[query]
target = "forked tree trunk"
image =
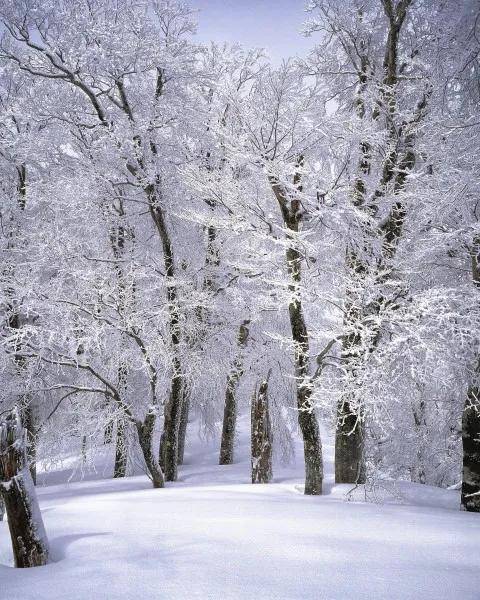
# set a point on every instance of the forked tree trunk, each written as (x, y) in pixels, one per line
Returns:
(261, 431)
(29, 541)
(350, 432)
(230, 410)
(471, 451)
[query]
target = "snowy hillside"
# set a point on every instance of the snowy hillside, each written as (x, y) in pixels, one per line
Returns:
(213, 535)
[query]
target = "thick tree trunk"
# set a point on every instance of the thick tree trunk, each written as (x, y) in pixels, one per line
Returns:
(471, 451)
(145, 435)
(29, 541)
(230, 410)
(349, 446)
(350, 430)
(120, 465)
(261, 432)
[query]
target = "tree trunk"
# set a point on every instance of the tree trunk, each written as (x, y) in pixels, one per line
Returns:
(120, 466)
(471, 451)
(230, 410)
(312, 446)
(28, 418)
(182, 432)
(471, 420)
(350, 429)
(29, 541)
(145, 435)
(349, 446)
(171, 427)
(108, 432)
(261, 432)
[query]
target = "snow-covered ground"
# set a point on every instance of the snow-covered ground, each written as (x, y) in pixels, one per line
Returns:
(213, 535)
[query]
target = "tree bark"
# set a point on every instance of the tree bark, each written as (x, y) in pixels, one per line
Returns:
(261, 432)
(29, 541)
(471, 451)
(230, 410)
(471, 420)
(182, 432)
(145, 435)
(312, 446)
(120, 465)
(349, 446)
(350, 431)
(171, 427)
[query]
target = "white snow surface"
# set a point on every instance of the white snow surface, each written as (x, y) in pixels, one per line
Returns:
(214, 535)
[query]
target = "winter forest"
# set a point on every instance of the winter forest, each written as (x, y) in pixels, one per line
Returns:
(219, 269)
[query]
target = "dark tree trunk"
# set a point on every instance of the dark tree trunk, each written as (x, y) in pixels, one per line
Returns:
(28, 419)
(471, 451)
(307, 420)
(29, 541)
(168, 454)
(349, 434)
(2, 507)
(312, 446)
(261, 432)
(145, 435)
(84, 449)
(182, 432)
(229, 421)
(471, 420)
(349, 446)
(120, 466)
(171, 427)
(108, 432)
(230, 410)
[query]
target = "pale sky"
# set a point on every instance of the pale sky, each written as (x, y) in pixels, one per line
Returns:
(271, 24)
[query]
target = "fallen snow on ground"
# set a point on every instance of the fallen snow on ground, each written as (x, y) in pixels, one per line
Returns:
(213, 535)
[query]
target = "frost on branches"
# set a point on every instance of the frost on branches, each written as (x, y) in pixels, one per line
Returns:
(180, 219)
